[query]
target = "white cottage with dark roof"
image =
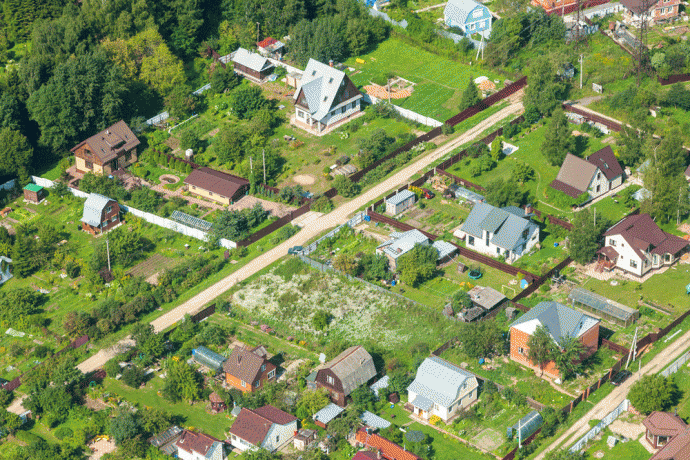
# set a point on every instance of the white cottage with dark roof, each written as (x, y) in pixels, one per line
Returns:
(441, 388)
(324, 98)
(507, 231)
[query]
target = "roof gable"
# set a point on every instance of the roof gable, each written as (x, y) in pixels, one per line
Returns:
(217, 182)
(607, 163)
(559, 320)
(197, 442)
(353, 367)
(243, 364)
(506, 226)
(251, 427)
(275, 415)
(321, 84)
(93, 209)
(641, 232)
(110, 142)
(441, 381)
(461, 10)
(576, 172)
(251, 60)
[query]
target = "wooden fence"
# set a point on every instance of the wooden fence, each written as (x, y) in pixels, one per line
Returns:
(267, 230)
(203, 314)
(460, 180)
(612, 125)
(614, 346)
(671, 79)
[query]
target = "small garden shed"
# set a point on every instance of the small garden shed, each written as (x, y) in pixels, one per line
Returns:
(399, 202)
(208, 358)
(34, 193)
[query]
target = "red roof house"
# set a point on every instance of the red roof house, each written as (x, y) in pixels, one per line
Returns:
(266, 427)
(637, 245)
(388, 449)
(198, 446)
(668, 433)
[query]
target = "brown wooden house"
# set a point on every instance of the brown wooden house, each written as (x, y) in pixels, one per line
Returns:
(252, 65)
(345, 373)
(113, 148)
(217, 186)
(100, 214)
(248, 369)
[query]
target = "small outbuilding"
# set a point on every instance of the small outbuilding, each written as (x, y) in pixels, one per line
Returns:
(208, 358)
(400, 202)
(100, 214)
(34, 193)
(304, 438)
(217, 403)
(486, 298)
(251, 65)
(323, 417)
(603, 307)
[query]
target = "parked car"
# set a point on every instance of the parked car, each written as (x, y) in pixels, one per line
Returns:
(428, 194)
(620, 377)
(295, 250)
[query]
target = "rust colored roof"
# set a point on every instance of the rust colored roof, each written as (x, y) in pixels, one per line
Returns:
(353, 367)
(664, 424)
(389, 450)
(111, 142)
(243, 364)
(641, 232)
(576, 172)
(565, 188)
(196, 442)
(606, 161)
(275, 415)
(637, 6)
(609, 252)
(678, 448)
(266, 42)
(251, 427)
(217, 182)
(365, 455)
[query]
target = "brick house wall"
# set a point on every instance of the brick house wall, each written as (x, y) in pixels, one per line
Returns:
(268, 375)
(519, 348)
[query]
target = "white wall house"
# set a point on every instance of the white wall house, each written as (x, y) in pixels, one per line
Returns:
(441, 388)
(468, 15)
(266, 427)
(507, 231)
(637, 245)
(596, 175)
(325, 97)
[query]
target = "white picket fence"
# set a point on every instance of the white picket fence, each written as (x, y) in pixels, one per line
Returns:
(409, 114)
(606, 421)
(148, 217)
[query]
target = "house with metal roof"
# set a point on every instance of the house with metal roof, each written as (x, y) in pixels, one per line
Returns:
(113, 148)
(347, 371)
(325, 97)
(468, 15)
(100, 214)
(323, 417)
(34, 193)
(400, 243)
(597, 174)
(250, 65)
(266, 427)
(248, 369)
(270, 47)
(400, 202)
(560, 321)
(441, 388)
(637, 246)
(374, 421)
(215, 185)
(507, 231)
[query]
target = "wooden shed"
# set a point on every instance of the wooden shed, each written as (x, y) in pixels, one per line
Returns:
(34, 193)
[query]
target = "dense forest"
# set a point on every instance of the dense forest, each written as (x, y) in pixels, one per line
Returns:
(68, 70)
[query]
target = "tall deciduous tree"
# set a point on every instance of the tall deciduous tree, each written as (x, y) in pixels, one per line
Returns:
(246, 100)
(481, 339)
(558, 140)
(15, 154)
(583, 240)
(540, 347)
(653, 392)
(418, 265)
(544, 91)
(567, 355)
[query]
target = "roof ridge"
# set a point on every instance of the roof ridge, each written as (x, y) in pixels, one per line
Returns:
(346, 356)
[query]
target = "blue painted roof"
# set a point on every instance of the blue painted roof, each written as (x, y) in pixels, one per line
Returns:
(460, 10)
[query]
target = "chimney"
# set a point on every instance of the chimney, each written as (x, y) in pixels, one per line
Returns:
(330, 63)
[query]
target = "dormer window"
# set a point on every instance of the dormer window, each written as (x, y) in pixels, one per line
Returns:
(330, 80)
(313, 72)
(325, 98)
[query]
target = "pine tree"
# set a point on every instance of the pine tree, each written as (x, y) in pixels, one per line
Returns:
(188, 168)
(21, 258)
(470, 96)
(558, 140)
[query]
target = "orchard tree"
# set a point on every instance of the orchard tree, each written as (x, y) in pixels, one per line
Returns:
(481, 339)
(460, 300)
(223, 79)
(418, 265)
(567, 355)
(558, 140)
(312, 401)
(544, 91)
(345, 186)
(584, 238)
(653, 393)
(540, 347)
(345, 263)
(123, 426)
(246, 100)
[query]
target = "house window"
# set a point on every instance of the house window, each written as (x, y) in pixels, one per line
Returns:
(300, 114)
(313, 72)
(598, 188)
(633, 263)
(482, 24)
(89, 164)
(330, 80)
(487, 238)
(599, 175)
(244, 384)
(104, 223)
(258, 382)
(524, 233)
(521, 350)
(507, 253)
(271, 373)
(330, 380)
(114, 219)
(667, 258)
(498, 250)
(263, 367)
(470, 240)
(210, 193)
(277, 438)
(612, 242)
(108, 209)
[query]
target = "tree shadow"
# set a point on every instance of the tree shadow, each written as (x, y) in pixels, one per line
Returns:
(581, 144)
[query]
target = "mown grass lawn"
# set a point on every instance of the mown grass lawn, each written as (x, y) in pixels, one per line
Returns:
(631, 450)
(439, 81)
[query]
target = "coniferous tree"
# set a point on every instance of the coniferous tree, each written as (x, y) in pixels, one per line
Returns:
(558, 140)
(470, 96)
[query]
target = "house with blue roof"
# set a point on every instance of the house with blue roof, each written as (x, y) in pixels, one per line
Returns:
(325, 98)
(468, 15)
(441, 388)
(507, 231)
(561, 322)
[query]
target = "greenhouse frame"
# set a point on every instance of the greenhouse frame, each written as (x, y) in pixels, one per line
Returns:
(208, 358)
(603, 307)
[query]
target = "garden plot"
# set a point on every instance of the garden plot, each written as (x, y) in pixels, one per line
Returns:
(289, 296)
(151, 267)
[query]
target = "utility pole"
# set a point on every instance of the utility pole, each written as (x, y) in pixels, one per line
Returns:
(251, 166)
(107, 248)
(642, 52)
(258, 37)
(581, 60)
(263, 155)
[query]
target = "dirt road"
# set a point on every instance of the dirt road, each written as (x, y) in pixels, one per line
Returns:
(334, 218)
(617, 396)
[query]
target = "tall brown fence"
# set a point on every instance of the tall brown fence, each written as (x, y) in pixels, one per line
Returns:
(460, 180)
(267, 230)
(612, 125)
(205, 313)
(488, 102)
(671, 79)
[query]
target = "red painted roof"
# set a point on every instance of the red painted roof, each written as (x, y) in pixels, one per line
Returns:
(268, 41)
(389, 450)
(606, 161)
(254, 425)
(195, 442)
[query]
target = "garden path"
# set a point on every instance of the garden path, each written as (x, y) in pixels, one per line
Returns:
(619, 393)
(336, 217)
(430, 7)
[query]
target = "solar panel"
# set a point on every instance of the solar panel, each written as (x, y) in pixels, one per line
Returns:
(191, 221)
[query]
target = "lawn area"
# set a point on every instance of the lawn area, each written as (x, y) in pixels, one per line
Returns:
(346, 241)
(631, 450)
(437, 215)
(682, 380)
(438, 81)
(665, 290)
(194, 415)
(529, 152)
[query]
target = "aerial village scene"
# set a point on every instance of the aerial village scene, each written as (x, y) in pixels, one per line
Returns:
(344, 230)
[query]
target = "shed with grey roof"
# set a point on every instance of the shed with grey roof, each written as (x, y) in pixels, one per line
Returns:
(400, 244)
(373, 420)
(100, 214)
(251, 65)
(441, 388)
(323, 417)
(400, 202)
(347, 371)
(486, 297)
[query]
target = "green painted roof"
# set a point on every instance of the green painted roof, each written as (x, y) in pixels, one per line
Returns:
(33, 188)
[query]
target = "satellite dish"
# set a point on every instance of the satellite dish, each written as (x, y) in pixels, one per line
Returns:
(322, 358)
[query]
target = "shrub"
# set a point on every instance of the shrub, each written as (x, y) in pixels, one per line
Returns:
(63, 432)
(447, 129)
